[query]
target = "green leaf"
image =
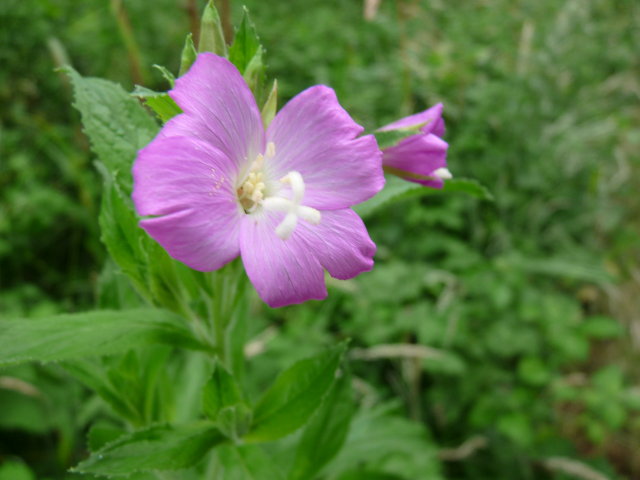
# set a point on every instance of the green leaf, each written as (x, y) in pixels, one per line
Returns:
(122, 236)
(295, 395)
(12, 470)
(220, 391)
(188, 56)
(168, 76)
(247, 462)
(160, 102)
(64, 337)
(211, 34)
(116, 124)
(326, 432)
(222, 402)
(246, 44)
(397, 189)
(160, 447)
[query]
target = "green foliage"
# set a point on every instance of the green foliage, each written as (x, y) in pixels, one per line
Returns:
(325, 433)
(159, 447)
(64, 337)
(246, 54)
(511, 318)
(295, 395)
(160, 102)
(116, 124)
(248, 462)
(396, 190)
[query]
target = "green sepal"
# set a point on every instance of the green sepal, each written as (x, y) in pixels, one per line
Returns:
(160, 102)
(188, 56)
(246, 54)
(389, 138)
(211, 33)
(270, 105)
(246, 43)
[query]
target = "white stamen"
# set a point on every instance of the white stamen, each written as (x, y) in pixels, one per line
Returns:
(442, 173)
(292, 207)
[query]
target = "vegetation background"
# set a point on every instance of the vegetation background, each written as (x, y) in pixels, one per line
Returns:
(521, 314)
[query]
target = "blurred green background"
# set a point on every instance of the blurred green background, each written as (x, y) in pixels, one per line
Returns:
(527, 308)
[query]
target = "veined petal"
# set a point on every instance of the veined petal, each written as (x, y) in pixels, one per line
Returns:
(340, 242)
(283, 272)
(419, 155)
(180, 173)
(189, 185)
(315, 136)
(219, 108)
(432, 118)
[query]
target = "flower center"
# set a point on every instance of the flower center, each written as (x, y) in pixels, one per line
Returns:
(253, 194)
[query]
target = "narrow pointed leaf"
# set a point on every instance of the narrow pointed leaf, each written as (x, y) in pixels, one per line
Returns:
(325, 433)
(295, 395)
(160, 447)
(77, 335)
(189, 54)
(160, 102)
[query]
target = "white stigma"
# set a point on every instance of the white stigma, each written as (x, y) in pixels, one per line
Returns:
(293, 208)
(442, 174)
(254, 193)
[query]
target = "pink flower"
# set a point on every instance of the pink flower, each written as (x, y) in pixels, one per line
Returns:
(420, 158)
(217, 185)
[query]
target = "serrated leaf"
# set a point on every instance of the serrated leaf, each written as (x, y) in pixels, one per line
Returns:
(248, 462)
(160, 102)
(295, 395)
(397, 189)
(246, 44)
(121, 234)
(161, 447)
(326, 432)
(77, 335)
(116, 124)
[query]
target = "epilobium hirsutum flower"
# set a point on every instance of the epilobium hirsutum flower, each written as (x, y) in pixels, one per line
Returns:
(420, 158)
(217, 185)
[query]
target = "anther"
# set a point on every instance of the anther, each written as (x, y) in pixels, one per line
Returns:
(442, 173)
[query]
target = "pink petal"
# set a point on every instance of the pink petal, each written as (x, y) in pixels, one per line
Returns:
(190, 185)
(283, 272)
(340, 242)
(420, 155)
(219, 108)
(315, 136)
(432, 117)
